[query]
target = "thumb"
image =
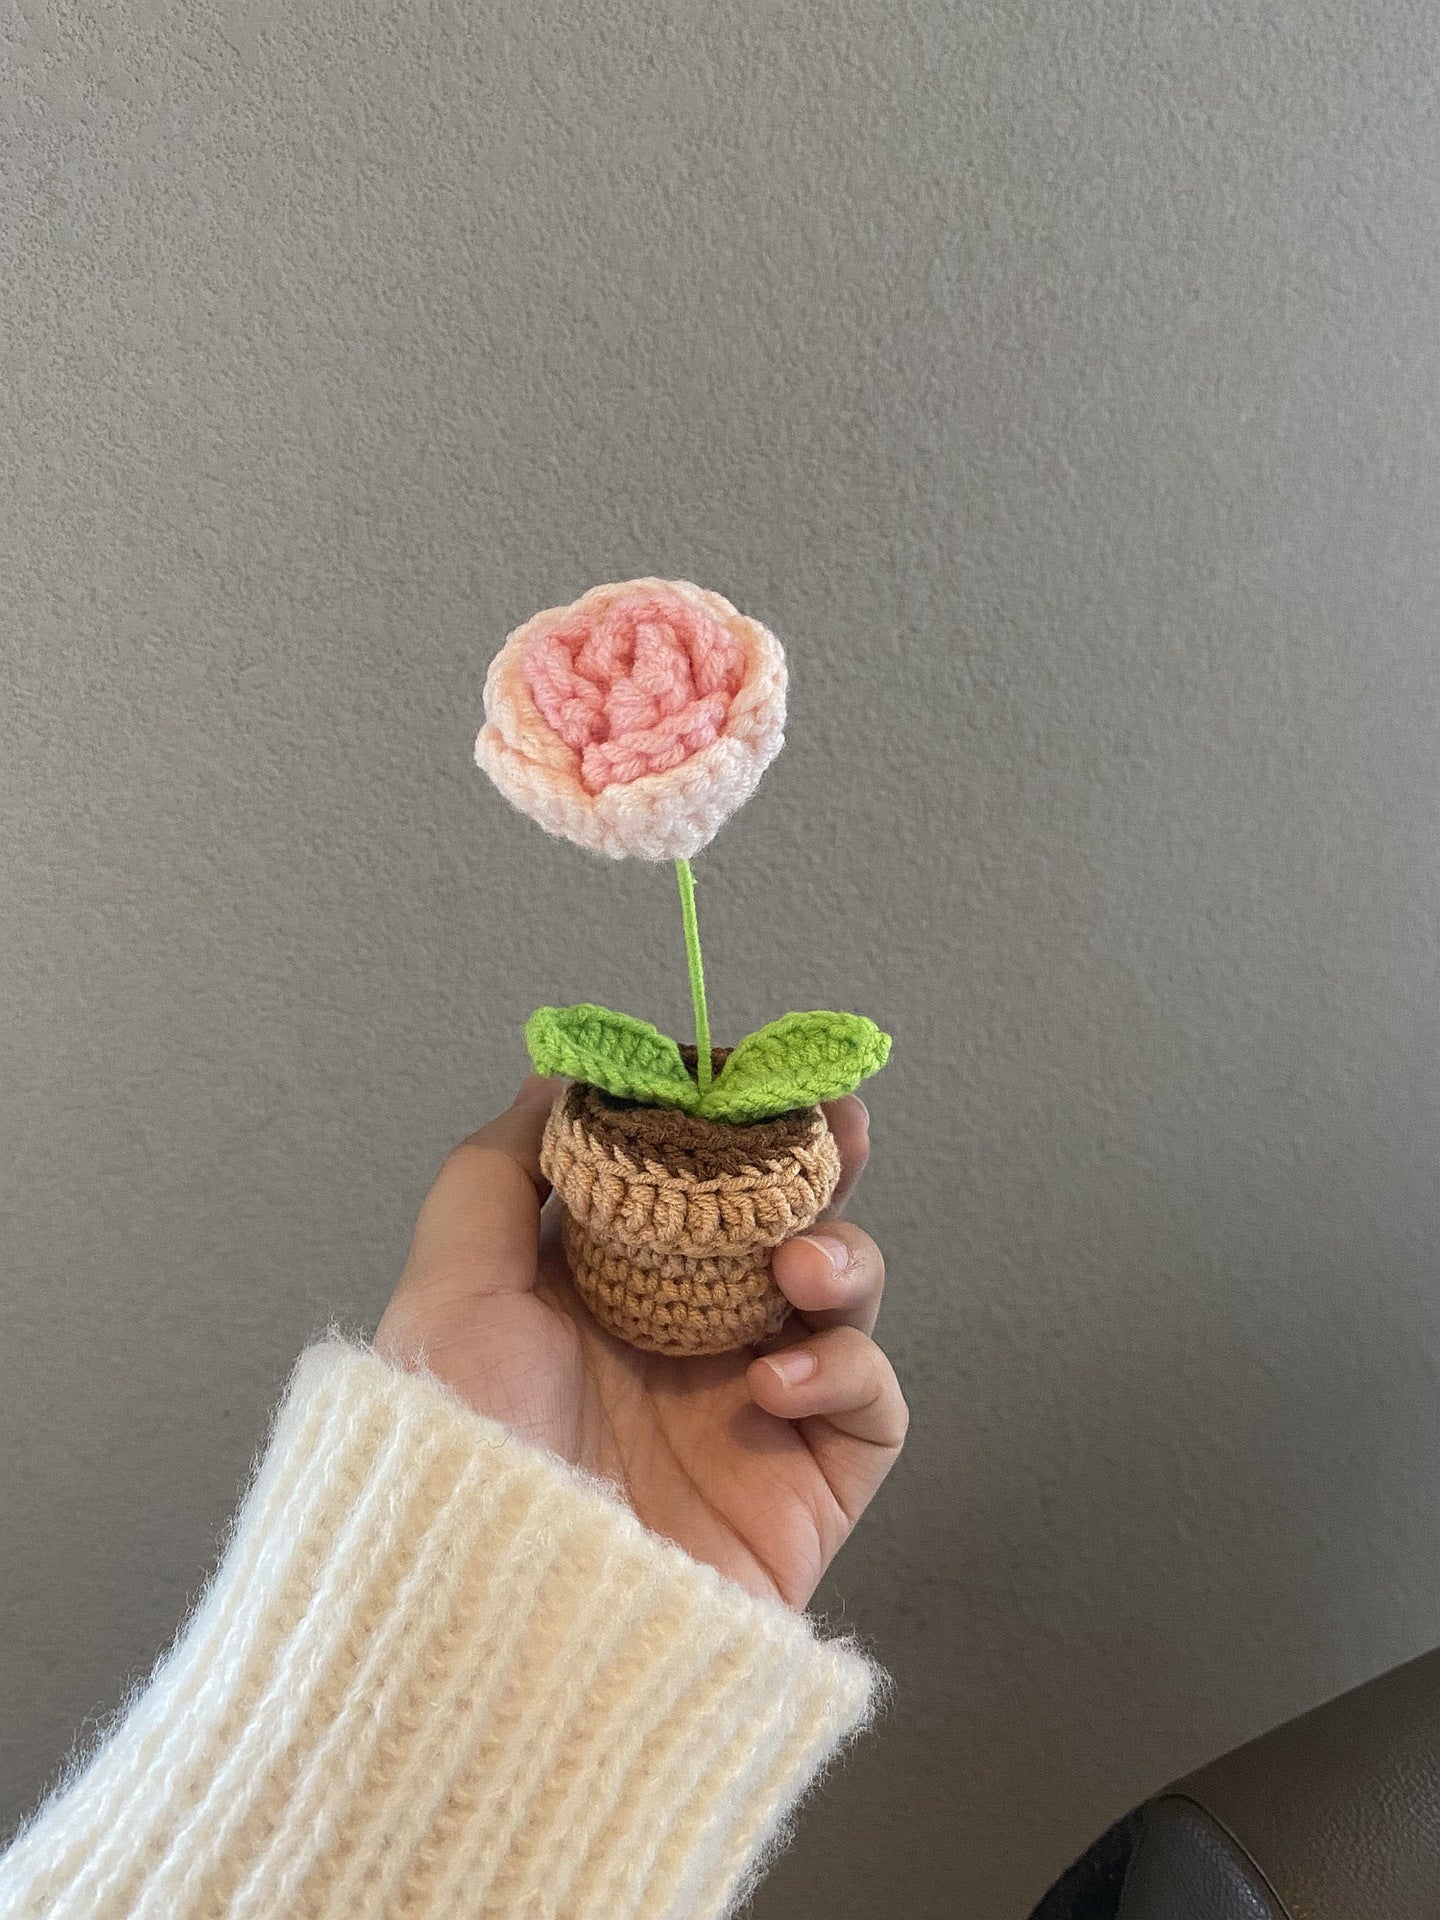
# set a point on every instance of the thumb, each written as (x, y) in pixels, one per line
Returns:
(479, 1226)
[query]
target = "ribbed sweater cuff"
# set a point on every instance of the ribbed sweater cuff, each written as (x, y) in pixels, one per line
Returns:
(439, 1672)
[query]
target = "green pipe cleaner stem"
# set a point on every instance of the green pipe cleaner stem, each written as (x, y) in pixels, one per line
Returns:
(697, 972)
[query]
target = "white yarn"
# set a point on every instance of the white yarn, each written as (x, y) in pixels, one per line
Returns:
(439, 1672)
(659, 816)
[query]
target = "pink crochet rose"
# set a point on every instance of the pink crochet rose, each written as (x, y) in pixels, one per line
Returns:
(636, 720)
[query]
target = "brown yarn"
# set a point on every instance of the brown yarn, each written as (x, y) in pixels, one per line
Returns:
(670, 1219)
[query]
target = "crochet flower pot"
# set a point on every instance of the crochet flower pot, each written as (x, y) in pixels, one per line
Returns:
(634, 722)
(670, 1218)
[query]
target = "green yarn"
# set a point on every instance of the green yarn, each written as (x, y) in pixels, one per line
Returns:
(697, 972)
(612, 1051)
(794, 1062)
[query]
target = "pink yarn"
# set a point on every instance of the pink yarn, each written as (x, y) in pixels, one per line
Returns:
(637, 690)
(636, 720)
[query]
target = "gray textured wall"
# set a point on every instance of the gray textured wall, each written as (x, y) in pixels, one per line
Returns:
(1058, 379)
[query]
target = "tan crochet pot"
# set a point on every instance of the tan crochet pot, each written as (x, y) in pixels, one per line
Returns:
(670, 1220)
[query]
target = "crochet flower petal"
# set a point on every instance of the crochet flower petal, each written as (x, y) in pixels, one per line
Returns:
(636, 720)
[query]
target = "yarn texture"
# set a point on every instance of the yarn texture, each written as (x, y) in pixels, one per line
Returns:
(439, 1673)
(637, 719)
(670, 1219)
(797, 1061)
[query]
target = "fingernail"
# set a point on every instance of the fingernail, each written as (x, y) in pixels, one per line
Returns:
(792, 1367)
(834, 1250)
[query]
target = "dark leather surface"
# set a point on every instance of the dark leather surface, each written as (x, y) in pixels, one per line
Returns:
(1334, 1816)
(1089, 1889)
(1338, 1813)
(1186, 1867)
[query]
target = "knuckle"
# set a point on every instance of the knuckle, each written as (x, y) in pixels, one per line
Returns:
(888, 1400)
(463, 1151)
(853, 1350)
(891, 1413)
(862, 1362)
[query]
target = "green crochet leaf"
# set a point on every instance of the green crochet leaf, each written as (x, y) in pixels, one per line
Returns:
(794, 1062)
(612, 1051)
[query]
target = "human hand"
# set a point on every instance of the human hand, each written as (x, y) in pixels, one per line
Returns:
(761, 1477)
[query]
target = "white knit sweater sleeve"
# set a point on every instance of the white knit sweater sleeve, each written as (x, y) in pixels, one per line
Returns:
(439, 1674)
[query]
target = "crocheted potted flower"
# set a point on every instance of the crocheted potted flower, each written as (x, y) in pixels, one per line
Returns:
(634, 722)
